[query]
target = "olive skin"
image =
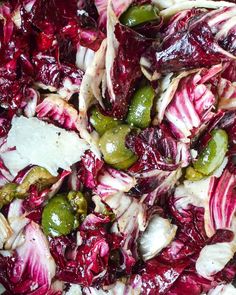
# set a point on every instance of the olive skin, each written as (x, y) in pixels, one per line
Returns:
(78, 202)
(140, 108)
(112, 145)
(38, 176)
(7, 193)
(102, 123)
(136, 15)
(213, 154)
(192, 174)
(126, 164)
(58, 217)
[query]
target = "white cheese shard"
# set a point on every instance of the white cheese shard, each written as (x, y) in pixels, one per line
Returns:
(39, 143)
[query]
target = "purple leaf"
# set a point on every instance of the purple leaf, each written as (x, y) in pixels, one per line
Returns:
(58, 110)
(112, 181)
(193, 46)
(192, 104)
(124, 69)
(31, 265)
(89, 169)
(222, 203)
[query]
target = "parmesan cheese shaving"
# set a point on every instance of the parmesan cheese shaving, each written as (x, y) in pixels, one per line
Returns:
(39, 143)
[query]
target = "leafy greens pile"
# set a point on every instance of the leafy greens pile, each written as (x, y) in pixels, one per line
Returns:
(117, 147)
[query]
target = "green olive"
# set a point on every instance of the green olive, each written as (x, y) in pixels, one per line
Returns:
(140, 108)
(136, 15)
(126, 164)
(113, 147)
(78, 202)
(38, 176)
(109, 213)
(58, 217)
(7, 193)
(213, 154)
(193, 175)
(102, 123)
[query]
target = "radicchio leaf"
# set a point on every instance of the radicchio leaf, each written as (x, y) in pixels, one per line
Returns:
(90, 86)
(196, 100)
(54, 76)
(13, 88)
(190, 237)
(74, 183)
(178, 259)
(89, 169)
(90, 89)
(94, 248)
(196, 284)
(130, 220)
(180, 20)
(33, 267)
(192, 47)
(157, 227)
(5, 175)
(119, 6)
(32, 101)
(159, 277)
(229, 71)
(222, 202)
(53, 107)
(122, 65)
(5, 230)
(224, 28)
(161, 4)
(119, 288)
(227, 94)
(197, 194)
(17, 222)
(213, 258)
(157, 149)
(222, 289)
(161, 158)
(155, 184)
(5, 123)
(174, 6)
(112, 181)
(84, 57)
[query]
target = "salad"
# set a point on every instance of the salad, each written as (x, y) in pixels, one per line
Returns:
(117, 147)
